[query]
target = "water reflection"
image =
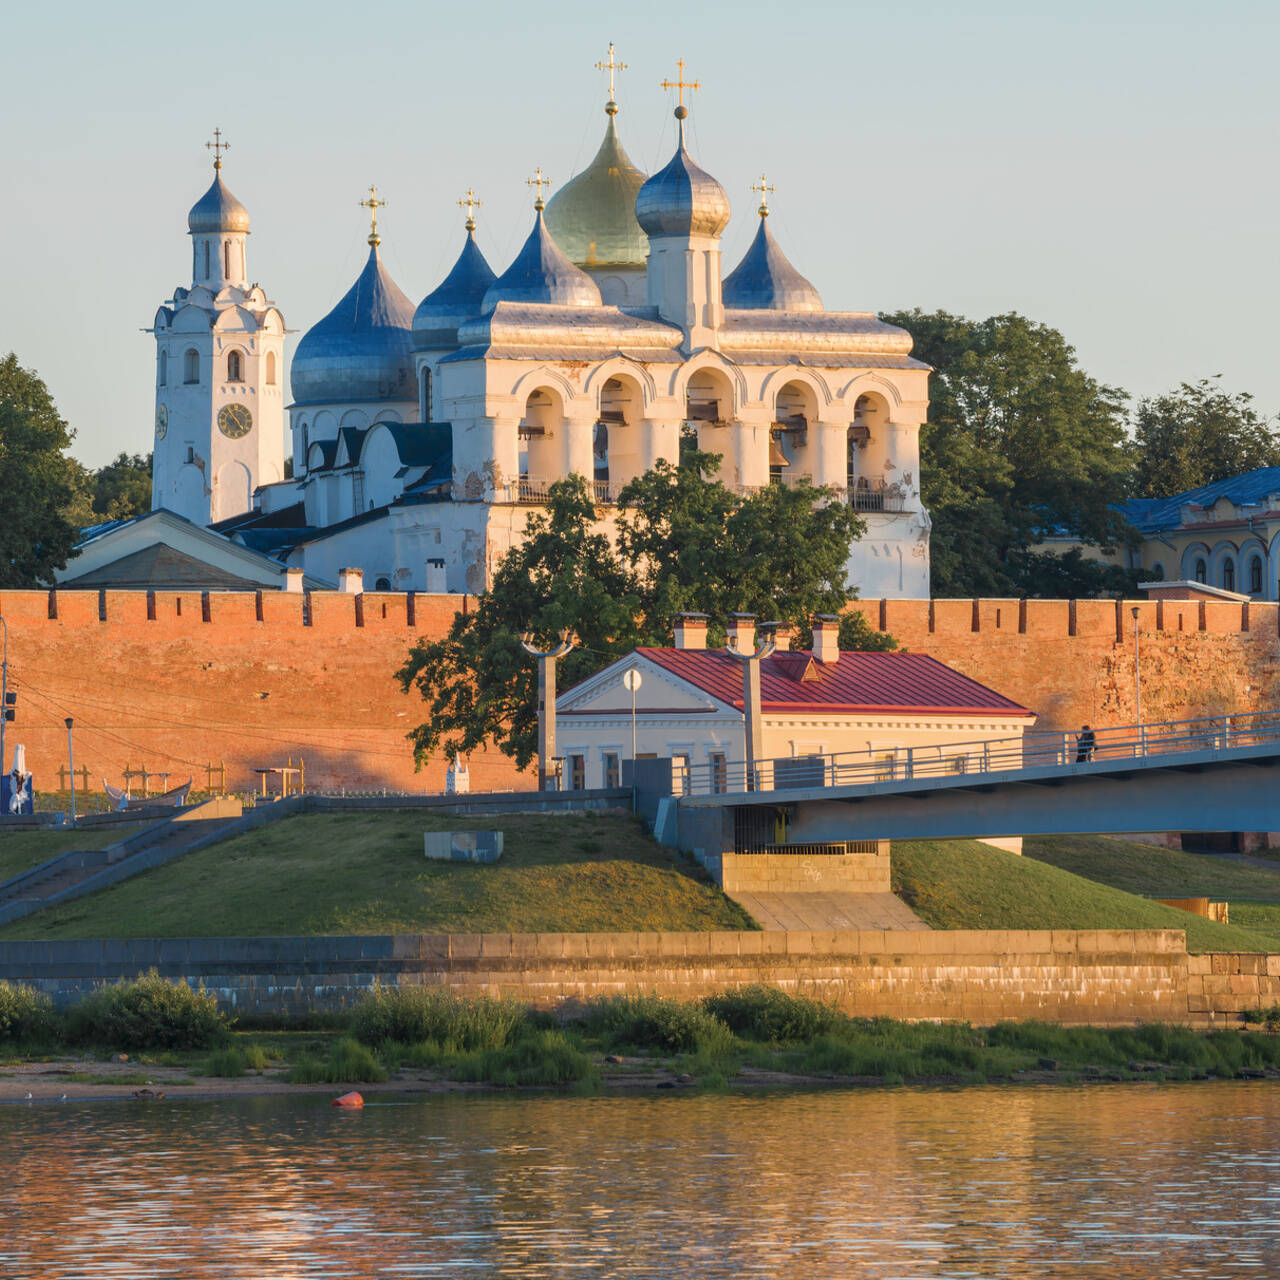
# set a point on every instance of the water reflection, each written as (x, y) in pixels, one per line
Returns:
(1127, 1182)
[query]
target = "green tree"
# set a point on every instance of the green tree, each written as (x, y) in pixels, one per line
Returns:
(38, 482)
(1196, 435)
(1020, 441)
(122, 489)
(684, 543)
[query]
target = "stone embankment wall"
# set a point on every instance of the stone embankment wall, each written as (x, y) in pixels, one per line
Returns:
(176, 681)
(1066, 976)
(803, 873)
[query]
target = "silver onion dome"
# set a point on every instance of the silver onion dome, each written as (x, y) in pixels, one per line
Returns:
(681, 199)
(217, 210)
(541, 273)
(766, 280)
(458, 298)
(363, 349)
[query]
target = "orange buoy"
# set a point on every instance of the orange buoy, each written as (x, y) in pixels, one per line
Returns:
(352, 1099)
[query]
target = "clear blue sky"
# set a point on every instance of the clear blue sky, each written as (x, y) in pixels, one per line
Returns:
(1107, 168)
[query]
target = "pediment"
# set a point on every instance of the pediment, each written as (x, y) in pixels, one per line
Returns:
(660, 691)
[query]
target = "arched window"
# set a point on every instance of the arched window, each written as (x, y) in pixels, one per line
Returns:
(1229, 575)
(1202, 571)
(226, 259)
(424, 395)
(271, 368)
(163, 377)
(191, 366)
(382, 584)
(235, 367)
(1158, 570)
(206, 259)
(1255, 577)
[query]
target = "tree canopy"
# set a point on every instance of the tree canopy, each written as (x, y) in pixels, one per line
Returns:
(1195, 435)
(38, 481)
(122, 488)
(1020, 442)
(685, 543)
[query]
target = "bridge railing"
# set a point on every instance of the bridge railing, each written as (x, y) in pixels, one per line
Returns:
(982, 756)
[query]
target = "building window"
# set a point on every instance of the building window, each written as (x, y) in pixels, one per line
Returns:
(191, 453)
(206, 259)
(226, 259)
(680, 773)
(424, 408)
(235, 367)
(1158, 570)
(271, 368)
(719, 773)
(1255, 577)
(164, 368)
(1202, 571)
(1228, 575)
(382, 584)
(577, 773)
(612, 770)
(191, 367)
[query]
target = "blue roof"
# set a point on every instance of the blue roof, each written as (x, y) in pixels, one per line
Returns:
(541, 273)
(458, 298)
(1253, 488)
(766, 280)
(362, 350)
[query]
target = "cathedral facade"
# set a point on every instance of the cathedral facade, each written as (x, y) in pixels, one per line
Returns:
(423, 436)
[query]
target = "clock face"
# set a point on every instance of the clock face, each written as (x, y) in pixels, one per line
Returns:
(162, 422)
(234, 421)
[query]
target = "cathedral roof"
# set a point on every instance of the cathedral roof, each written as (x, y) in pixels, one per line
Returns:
(766, 280)
(681, 199)
(541, 273)
(457, 298)
(362, 350)
(593, 216)
(217, 210)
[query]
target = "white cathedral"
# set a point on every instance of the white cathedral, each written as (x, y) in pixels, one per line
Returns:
(422, 437)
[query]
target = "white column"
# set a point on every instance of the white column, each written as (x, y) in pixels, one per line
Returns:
(829, 451)
(578, 451)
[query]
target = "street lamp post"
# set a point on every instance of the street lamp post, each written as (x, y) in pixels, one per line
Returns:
(631, 681)
(1137, 669)
(4, 689)
(71, 761)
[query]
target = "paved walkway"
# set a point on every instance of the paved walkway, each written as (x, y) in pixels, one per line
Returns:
(774, 911)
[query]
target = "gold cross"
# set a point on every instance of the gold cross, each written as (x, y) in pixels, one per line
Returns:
(538, 180)
(763, 188)
(611, 66)
(217, 146)
(373, 204)
(680, 83)
(470, 204)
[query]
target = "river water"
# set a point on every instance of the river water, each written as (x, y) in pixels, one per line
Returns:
(1108, 1181)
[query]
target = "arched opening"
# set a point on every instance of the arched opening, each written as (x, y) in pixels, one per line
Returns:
(382, 584)
(539, 451)
(709, 408)
(709, 399)
(191, 366)
(795, 412)
(162, 378)
(235, 367)
(1255, 576)
(424, 395)
(271, 368)
(206, 259)
(1228, 575)
(617, 443)
(1202, 570)
(1157, 571)
(226, 259)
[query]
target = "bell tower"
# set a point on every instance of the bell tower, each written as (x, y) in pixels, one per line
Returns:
(219, 426)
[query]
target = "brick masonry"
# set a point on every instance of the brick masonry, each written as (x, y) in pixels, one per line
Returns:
(1069, 976)
(806, 873)
(178, 680)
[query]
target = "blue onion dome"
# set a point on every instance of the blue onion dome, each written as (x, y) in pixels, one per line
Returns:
(766, 280)
(593, 216)
(363, 349)
(682, 200)
(541, 273)
(457, 299)
(217, 210)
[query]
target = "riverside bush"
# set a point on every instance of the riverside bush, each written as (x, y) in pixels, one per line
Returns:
(349, 1062)
(771, 1016)
(147, 1013)
(26, 1015)
(650, 1022)
(410, 1015)
(536, 1058)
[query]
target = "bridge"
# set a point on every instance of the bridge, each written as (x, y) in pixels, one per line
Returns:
(1211, 774)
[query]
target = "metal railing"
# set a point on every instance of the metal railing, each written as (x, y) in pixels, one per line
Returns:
(536, 491)
(982, 757)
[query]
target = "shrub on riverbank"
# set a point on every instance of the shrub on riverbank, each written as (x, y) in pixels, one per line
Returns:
(410, 1015)
(772, 1016)
(650, 1022)
(26, 1015)
(147, 1013)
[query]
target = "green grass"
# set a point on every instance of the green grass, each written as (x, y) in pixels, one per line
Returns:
(1258, 917)
(333, 874)
(962, 884)
(1152, 871)
(22, 850)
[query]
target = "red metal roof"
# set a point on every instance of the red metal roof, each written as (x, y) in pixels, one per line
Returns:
(857, 682)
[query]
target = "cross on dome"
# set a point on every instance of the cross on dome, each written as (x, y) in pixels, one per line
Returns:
(373, 204)
(217, 146)
(763, 188)
(538, 180)
(611, 66)
(470, 204)
(680, 84)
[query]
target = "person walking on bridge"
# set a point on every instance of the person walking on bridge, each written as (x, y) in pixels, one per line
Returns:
(1085, 745)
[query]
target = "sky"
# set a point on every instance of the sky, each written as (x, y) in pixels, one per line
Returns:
(1110, 169)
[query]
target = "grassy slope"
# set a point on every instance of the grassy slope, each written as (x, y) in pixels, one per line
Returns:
(365, 874)
(22, 850)
(961, 884)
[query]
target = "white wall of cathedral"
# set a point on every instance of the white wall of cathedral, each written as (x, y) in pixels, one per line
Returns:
(619, 286)
(311, 424)
(218, 259)
(683, 282)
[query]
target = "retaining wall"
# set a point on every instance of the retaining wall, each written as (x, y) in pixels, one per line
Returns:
(805, 873)
(1069, 976)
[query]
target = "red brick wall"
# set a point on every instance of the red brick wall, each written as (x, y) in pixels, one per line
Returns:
(178, 680)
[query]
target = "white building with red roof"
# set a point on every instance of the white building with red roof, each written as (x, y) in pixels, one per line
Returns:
(689, 706)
